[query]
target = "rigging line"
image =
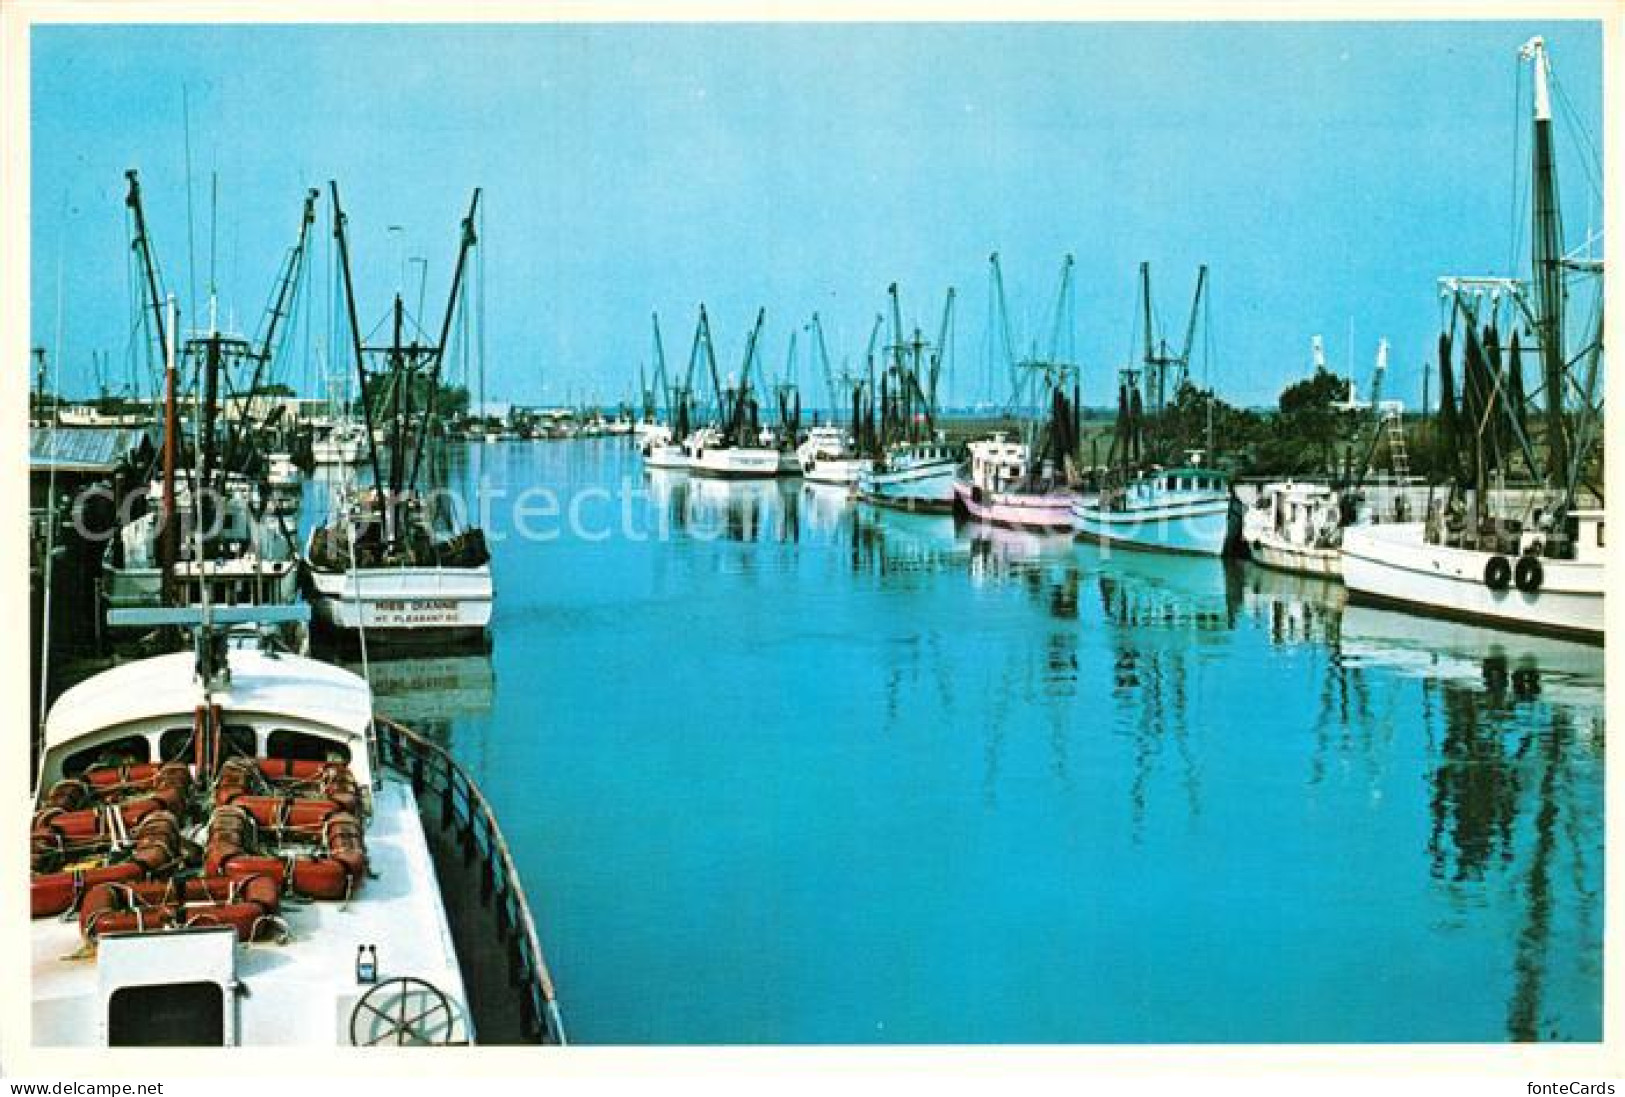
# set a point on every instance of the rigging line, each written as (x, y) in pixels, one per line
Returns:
(1589, 159)
(1514, 237)
(191, 250)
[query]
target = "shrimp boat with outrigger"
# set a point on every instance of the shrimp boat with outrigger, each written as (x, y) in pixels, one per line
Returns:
(661, 445)
(230, 849)
(911, 464)
(738, 447)
(1031, 483)
(245, 552)
(1488, 552)
(392, 561)
(1189, 508)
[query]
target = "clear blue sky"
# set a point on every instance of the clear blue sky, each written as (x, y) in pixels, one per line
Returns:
(1324, 172)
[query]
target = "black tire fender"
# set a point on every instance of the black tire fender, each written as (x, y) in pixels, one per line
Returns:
(1498, 573)
(1529, 574)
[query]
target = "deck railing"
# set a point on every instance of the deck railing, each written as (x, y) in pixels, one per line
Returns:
(465, 813)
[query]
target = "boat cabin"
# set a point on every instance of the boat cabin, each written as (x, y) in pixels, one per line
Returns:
(998, 464)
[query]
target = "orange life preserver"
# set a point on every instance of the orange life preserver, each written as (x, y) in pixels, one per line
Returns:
(88, 824)
(242, 904)
(56, 892)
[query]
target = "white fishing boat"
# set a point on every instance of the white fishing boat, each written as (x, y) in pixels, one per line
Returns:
(1001, 489)
(344, 444)
(827, 457)
(392, 564)
(1519, 583)
(1296, 527)
(249, 560)
(281, 473)
(1189, 510)
(912, 466)
(1530, 559)
(229, 849)
(660, 450)
(425, 581)
(738, 446)
(914, 476)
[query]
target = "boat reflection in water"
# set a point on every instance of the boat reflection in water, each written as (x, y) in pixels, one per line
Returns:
(1515, 792)
(892, 545)
(1293, 609)
(825, 508)
(430, 692)
(732, 510)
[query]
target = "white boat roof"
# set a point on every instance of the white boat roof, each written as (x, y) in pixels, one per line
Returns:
(165, 685)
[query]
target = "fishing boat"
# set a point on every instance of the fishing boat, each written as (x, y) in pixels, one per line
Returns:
(1297, 527)
(1031, 482)
(912, 465)
(343, 444)
(230, 848)
(1491, 550)
(281, 473)
(393, 565)
(738, 446)
(1188, 508)
(243, 553)
(830, 454)
(828, 457)
(1001, 487)
(666, 445)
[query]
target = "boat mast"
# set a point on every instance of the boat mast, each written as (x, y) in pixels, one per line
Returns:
(287, 287)
(143, 248)
(469, 239)
(1547, 258)
(355, 330)
(169, 532)
(736, 421)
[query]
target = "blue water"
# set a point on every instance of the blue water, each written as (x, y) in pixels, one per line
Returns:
(801, 771)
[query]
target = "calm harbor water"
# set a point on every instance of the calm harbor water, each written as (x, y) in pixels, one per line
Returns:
(805, 772)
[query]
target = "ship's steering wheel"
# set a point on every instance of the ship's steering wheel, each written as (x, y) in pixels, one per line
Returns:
(405, 1011)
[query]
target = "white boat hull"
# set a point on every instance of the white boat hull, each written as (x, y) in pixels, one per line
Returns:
(744, 463)
(336, 453)
(666, 456)
(1393, 564)
(1274, 551)
(843, 471)
(928, 486)
(1198, 527)
(404, 603)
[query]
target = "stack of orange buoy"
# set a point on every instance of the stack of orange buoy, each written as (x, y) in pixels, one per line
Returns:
(110, 846)
(114, 826)
(293, 820)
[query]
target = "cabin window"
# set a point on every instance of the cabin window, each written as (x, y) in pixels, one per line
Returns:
(130, 750)
(303, 747)
(175, 745)
(1599, 535)
(238, 741)
(167, 1015)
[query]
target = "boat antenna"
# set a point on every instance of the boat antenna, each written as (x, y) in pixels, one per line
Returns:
(191, 249)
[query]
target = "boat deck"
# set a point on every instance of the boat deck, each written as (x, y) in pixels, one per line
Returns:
(302, 992)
